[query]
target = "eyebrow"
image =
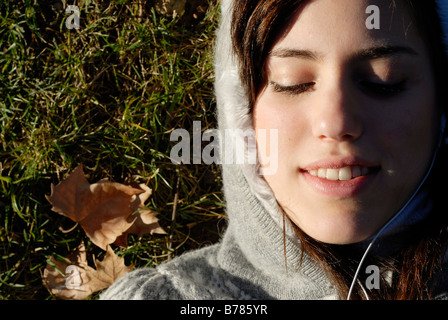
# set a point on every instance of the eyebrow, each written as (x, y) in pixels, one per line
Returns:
(296, 53)
(365, 54)
(385, 51)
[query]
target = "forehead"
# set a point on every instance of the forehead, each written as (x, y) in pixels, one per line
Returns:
(330, 25)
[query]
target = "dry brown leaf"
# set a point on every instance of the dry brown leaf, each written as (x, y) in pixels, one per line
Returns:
(107, 271)
(65, 279)
(144, 223)
(77, 280)
(103, 209)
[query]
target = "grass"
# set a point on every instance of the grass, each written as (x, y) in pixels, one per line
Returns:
(107, 95)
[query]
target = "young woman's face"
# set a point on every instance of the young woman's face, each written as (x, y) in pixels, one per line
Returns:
(356, 117)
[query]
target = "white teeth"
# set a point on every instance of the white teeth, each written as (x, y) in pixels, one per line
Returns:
(345, 174)
(332, 174)
(342, 174)
(313, 172)
(356, 171)
(322, 173)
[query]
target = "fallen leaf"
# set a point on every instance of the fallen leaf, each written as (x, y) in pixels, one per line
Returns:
(64, 279)
(77, 281)
(107, 271)
(103, 209)
(139, 199)
(145, 222)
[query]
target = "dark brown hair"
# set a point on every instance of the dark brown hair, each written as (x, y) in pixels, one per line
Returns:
(256, 26)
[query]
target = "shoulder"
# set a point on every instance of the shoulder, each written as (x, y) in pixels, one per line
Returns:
(139, 284)
(184, 277)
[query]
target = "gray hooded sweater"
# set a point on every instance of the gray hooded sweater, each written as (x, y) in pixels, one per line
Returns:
(258, 257)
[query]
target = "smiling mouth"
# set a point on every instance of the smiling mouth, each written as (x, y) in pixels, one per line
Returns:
(342, 174)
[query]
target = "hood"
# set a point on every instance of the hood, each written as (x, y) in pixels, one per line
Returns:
(255, 219)
(233, 115)
(443, 11)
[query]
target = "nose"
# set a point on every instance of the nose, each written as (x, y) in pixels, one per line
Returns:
(337, 114)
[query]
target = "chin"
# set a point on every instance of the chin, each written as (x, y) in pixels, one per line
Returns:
(338, 240)
(340, 233)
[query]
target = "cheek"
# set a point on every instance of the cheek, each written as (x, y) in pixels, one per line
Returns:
(289, 125)
(408, 133)
(394, 131)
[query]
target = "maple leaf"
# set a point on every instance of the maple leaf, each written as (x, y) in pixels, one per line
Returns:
(71, 280)
(103, 209)
(107, 271)
(145, 222)
(64, 278)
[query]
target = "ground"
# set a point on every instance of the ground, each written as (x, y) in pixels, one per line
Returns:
(106, 95)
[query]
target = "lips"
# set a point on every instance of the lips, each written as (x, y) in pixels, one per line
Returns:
(340, 177)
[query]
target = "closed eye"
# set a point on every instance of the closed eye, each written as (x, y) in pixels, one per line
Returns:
(292, 90)
(382, 90)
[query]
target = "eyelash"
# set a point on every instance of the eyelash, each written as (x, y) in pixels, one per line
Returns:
(294, 89)
(379, 90)
(383, 90)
